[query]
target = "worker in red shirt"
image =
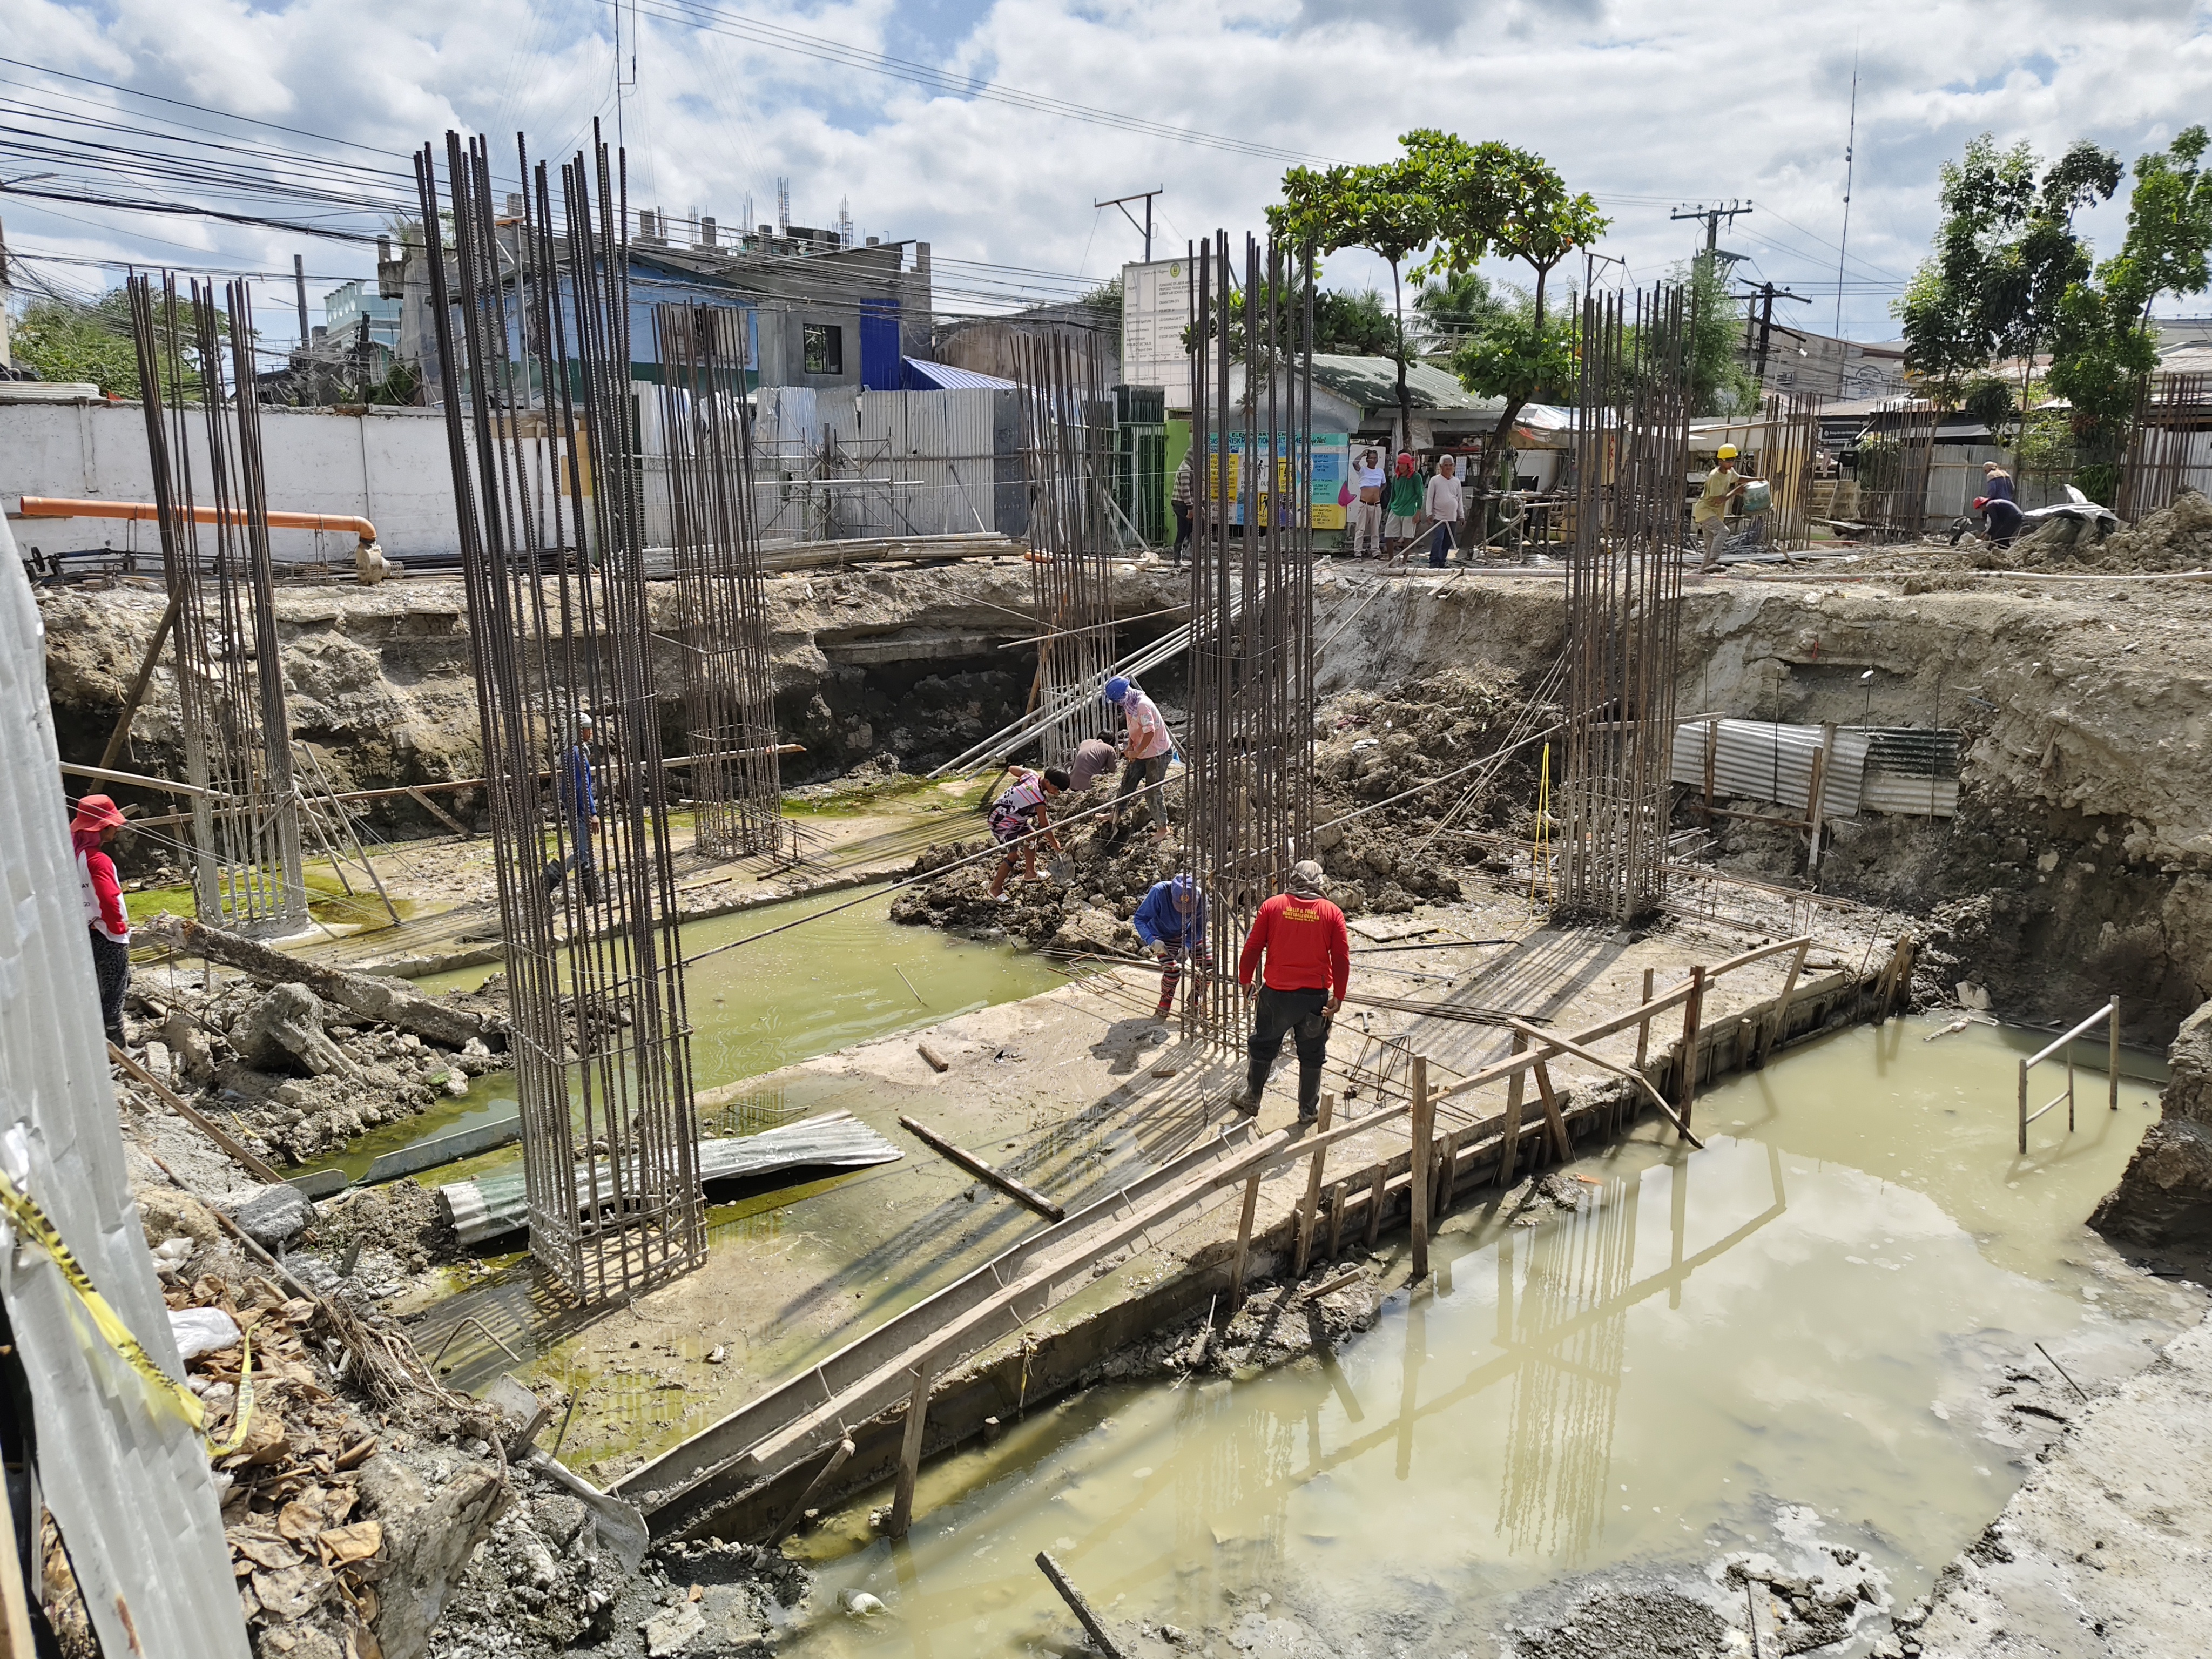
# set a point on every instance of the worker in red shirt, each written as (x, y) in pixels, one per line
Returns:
(96, 825)
(1309, 966)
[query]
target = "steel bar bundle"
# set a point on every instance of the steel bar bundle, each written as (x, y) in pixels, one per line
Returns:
(1893, 468)
(2169, 443)
(533, 327)
(729, 694)
(1624, 601)
(1067, 442)
(1249, 738)
(238, 742)
(1790, 441)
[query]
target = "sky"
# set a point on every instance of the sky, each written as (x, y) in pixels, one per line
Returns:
(1653, 108)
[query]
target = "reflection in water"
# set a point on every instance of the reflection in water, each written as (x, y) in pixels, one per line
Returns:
(1796, 1316)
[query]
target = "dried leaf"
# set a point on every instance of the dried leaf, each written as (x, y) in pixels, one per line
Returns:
(272, 1554)
(342, 1546)
(265, 1443)
(293, 1593)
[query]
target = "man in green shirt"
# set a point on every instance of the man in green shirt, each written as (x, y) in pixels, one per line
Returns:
(1709, 518)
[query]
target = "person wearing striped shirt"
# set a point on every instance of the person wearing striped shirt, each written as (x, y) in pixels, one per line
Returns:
(1018, 820)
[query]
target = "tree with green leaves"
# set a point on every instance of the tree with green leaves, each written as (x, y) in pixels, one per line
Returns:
(1387, 208)
(2005, 254)
(1494, 200)
(1354, 323)
(2102, 343)
(65, 340)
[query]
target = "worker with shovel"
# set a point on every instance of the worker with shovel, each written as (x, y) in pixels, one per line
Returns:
(1171, 924)
(1019, 821)
(1301, 938)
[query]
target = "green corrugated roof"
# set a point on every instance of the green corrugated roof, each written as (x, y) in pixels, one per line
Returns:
(1372, 382)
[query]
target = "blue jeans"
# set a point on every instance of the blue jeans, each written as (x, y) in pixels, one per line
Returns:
(1440, 543)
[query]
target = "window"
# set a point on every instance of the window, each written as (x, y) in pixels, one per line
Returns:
(825, 348)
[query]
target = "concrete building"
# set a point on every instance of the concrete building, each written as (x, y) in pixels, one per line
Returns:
(348, 306)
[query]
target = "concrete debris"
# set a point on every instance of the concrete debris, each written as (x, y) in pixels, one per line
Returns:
(283, 1033)
(272, 1217)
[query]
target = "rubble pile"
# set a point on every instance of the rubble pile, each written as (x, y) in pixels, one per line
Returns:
(357, 1493)
(2176, 538)
(298, 1077)
(1370, 746)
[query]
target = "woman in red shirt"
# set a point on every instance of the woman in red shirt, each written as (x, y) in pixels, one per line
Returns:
(97, 824)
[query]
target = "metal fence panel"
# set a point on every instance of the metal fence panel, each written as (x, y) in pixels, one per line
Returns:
(127, 1477)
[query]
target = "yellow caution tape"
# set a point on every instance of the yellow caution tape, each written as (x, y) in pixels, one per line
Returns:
(31, 1221)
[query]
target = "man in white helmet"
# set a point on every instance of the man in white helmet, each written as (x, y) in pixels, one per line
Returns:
(1723, 487)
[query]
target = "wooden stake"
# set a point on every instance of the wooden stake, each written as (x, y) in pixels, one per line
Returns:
(917, 1419)
(1686, 1086)
(1509, 1150)
(440, 813)
(1313, 1189)
(1375, 1207)
(1243, 1243)
(1335, 1219)
(120, 737)
(982, 1171)
(1447, 1172)
(1779, 1029)
(1423, 1125)
(822, 1477)
(1562, 1148)
(2112, 1069)
(214, 1131)
(1079, 1605)
(1643, 1026)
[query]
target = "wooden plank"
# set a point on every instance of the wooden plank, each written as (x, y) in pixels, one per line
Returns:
(1093, 1626)
(1244, 1241)
(1375, 1207)
(118, 738)
(1562, 1148)
(1313, 1188)
(1448, 1173)
(909, 1470)
(1686, 1087)
(982, 1171)
(1420, 1159)
(1555, 1044)
(214, 1131)
(440, 814)
(1777, 1027)
(935, 1061)
(1508, 1153)
(820, 1483)
(1335, 1219)
(1643, 1026)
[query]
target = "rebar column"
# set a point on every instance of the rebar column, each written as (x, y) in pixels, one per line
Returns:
(247, 873)
(729, 693)
(1067, 437)
(1624, 581)
(533, 326)
(1248, 743)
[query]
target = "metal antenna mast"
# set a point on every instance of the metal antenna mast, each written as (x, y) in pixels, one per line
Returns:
(1851, 143)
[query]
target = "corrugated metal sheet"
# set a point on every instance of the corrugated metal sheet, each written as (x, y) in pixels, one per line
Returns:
(1758, 760)
(1896, 769)
(492, 1206)
(947, 377)
(910, 463)
(127, 1479)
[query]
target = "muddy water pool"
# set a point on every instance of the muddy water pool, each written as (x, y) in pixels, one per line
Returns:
(1801, 1338)
(842, 979)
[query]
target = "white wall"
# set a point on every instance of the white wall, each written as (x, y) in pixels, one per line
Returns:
(390, 466)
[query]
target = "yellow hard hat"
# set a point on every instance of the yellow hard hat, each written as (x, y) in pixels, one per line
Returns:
(1727, 452)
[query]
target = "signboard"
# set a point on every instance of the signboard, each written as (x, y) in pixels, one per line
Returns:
(1156, 301)
(1330, 456)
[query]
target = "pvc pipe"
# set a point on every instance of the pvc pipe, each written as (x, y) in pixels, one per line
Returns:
(62, 507)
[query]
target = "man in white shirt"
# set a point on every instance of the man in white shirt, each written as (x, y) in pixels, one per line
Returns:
(1369, 485)
(1145, 748)
(1443, 505)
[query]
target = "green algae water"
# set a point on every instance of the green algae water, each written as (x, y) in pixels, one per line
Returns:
(1803, 1337)
(844, 979)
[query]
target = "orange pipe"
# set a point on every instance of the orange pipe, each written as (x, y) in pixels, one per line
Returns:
(61, 506)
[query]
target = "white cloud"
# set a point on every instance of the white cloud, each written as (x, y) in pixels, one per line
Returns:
(1646, 104)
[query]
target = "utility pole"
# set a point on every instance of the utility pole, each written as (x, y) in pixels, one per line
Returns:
(1145, 196)
(300, 291)
(1713, 216)
(1766, 293)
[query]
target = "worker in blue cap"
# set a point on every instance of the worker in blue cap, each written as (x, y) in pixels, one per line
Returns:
(1145, 747)
(1171, 924)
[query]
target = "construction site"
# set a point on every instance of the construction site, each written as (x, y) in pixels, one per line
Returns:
(631, 1095)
